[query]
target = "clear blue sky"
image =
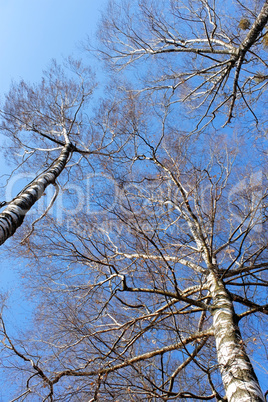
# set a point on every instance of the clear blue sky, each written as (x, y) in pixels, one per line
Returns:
(32, 32)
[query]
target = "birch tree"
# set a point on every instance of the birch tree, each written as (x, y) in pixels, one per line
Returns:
(43, 119)
(155, 289)
(13, 215)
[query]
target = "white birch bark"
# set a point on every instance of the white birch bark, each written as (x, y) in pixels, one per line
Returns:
(256, 29)
(238, 376)
(13, 215)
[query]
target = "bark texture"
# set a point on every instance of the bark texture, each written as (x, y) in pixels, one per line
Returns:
(238, 376)
(13, 215)
(256, 29)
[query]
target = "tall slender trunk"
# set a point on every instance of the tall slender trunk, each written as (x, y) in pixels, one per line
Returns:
(13, 215)
(238, 376)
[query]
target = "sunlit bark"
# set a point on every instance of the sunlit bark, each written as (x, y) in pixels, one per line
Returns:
(13, 215)
(238, 376)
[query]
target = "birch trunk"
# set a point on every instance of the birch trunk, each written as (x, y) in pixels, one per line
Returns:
(238, 376)
(256, 29)
(13, 215)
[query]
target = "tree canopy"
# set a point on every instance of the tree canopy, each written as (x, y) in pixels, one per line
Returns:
(148, 263)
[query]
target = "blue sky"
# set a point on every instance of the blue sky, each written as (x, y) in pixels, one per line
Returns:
(32, 32)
